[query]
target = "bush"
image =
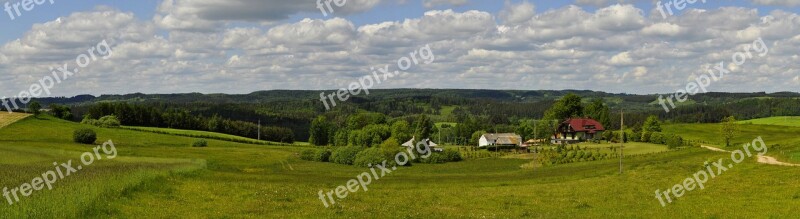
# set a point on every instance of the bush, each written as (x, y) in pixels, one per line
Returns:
(657, 138)
(345, 155)
(106, 121)
(674, 141)
(452, 155)
(84, 136)
(646, 136)
(372, 156)
(200, 143)
(322, 155)
(109, 122)
(319, 155)
(308, 154)
(435, 158)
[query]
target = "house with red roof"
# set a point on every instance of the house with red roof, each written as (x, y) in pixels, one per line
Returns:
(577, 130)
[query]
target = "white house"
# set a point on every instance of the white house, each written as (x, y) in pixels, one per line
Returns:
(500, 140)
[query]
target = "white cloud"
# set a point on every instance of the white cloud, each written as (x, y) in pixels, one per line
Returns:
(615, 48)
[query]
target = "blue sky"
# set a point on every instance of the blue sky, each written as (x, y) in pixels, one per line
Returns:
(240, 46)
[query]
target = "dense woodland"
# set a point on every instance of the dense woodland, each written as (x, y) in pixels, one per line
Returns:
(288, 116)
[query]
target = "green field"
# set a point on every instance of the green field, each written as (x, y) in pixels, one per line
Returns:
(784, 141)
(203, 134)
(631, 148)
(161, 176)
(778, 120)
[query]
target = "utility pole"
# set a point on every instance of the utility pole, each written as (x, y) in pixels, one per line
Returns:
(621, 137)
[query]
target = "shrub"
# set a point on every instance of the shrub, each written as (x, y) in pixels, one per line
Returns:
(345, 155)
(646, 136)
(657, 138)
(372, 156)
(308, 154)
(674, 141)
(452, 155)
(84, 136)
(109, 122)
(319, 155)
(200, 143)
(435, 158)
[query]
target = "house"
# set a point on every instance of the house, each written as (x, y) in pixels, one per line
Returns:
(412, 144)
(577, 130)
(504, 140)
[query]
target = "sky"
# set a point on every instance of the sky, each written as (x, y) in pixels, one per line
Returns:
(241, 46)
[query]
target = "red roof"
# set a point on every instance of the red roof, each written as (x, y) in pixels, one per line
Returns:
(584, 125)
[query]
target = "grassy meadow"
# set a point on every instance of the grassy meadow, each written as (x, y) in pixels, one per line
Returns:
(161, 176)
(777, 120)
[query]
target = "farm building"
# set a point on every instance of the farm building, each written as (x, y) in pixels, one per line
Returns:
(577, 130)
(503, 140)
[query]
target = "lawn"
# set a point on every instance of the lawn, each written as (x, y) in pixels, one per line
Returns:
(161, 176)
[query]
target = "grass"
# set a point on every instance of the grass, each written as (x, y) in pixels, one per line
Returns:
(160, 176)
(631, 148)
(778, 120)
(783, 140)
(202, 134)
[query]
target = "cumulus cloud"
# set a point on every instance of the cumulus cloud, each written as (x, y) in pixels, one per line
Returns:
(187, 47)
(210, 15)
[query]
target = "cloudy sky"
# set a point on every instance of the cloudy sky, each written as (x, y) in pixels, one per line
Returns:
(240, 46)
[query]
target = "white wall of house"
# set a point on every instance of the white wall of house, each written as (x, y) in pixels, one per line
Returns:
(483, 142)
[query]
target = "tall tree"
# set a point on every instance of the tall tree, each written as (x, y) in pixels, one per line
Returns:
(423, 127)
(567, 107)
(729, 129)
(319, 131)
(599, 111)
(401, 131)
(652, 124)
(35, 108)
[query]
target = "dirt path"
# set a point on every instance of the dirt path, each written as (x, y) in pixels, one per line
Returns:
(761, 159)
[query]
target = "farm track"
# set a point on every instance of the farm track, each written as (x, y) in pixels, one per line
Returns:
(761, 158)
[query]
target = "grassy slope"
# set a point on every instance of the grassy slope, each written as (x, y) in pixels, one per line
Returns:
(778, 120)
(270, 182)
(784, 136)
(201, 134)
